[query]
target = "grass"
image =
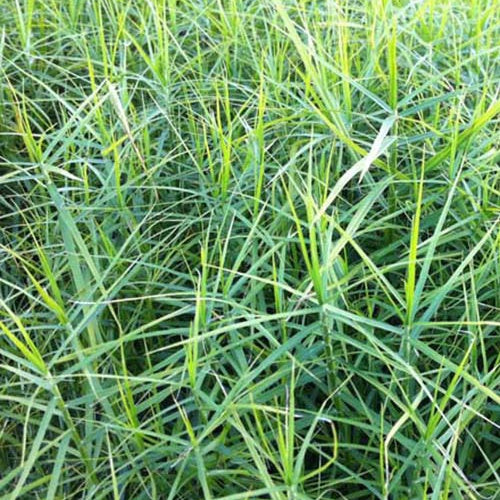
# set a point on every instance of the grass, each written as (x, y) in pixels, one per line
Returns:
(249, 249)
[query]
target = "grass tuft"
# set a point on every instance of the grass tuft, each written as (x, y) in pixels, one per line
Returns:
(249, 249)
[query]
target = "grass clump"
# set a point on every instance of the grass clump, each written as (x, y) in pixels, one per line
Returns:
(249, 249)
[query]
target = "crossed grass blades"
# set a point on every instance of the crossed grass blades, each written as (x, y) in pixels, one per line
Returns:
(249, 249)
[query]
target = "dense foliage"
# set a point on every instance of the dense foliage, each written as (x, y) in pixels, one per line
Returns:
(249, 249)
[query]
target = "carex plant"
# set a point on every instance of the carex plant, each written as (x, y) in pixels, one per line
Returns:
(249, 249)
